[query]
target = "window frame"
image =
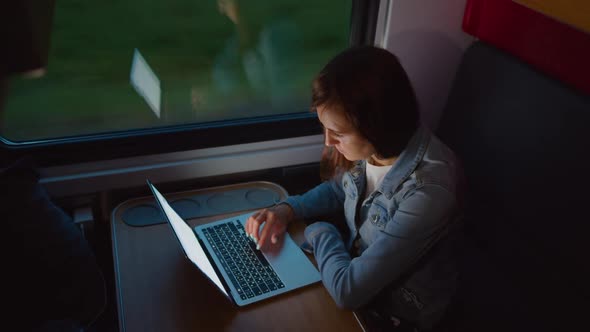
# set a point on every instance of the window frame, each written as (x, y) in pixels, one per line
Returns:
(142, 142)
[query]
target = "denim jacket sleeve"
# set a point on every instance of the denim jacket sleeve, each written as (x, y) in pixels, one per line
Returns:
(325, 199)
(411, 230)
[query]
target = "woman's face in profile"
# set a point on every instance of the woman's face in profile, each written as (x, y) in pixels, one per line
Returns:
(343, 136)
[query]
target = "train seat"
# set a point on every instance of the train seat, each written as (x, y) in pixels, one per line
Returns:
(524, 140)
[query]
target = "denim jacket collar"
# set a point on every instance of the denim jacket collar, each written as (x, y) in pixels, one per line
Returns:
(404, 166)
(407, 161)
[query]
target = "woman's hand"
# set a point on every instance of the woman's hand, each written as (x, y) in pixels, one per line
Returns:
(274, 223)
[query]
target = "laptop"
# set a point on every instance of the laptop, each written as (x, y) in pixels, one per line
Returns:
(223, 252)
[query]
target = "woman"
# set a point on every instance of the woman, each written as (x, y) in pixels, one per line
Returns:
(396, 186)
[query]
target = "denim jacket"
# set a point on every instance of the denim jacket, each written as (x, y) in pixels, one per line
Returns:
(398, 251)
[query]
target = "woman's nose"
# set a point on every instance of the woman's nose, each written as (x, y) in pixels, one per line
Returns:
(329, 140)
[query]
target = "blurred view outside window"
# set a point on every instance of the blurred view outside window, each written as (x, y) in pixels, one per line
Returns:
(209, 61)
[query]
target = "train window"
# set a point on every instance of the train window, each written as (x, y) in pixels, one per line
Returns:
(115, 67)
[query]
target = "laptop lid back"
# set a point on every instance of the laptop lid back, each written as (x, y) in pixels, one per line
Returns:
(188, 240)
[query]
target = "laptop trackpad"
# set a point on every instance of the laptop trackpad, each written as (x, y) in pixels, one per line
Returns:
(290, 262)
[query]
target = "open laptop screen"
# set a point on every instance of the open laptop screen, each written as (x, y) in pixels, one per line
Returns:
(188, 240)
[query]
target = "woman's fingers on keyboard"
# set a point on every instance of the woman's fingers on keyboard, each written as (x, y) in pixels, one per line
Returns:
(265, 226)
(275, 227)
(248, 225)
(253, 224)
(268, 228)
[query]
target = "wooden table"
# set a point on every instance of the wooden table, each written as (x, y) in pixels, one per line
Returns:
(158, 288)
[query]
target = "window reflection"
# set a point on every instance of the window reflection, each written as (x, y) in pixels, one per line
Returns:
(216, 60)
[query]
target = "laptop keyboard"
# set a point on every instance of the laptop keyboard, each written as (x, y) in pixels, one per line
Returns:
(247, 267)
